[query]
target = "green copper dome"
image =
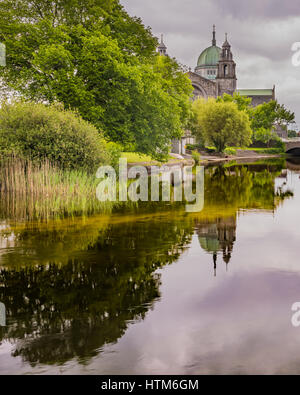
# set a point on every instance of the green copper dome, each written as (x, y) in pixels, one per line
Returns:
(209, 57)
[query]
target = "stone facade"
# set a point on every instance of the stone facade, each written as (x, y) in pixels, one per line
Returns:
(202, 86)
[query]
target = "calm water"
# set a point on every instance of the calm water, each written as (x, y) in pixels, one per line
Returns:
(160, 291)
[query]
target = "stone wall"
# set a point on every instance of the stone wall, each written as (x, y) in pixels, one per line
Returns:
(257, 100)
(202, 86)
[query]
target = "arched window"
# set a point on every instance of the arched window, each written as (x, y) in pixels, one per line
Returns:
(225, 69)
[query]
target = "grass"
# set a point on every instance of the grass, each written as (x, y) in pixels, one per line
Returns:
(41, 191)
(269, 151)
(134, 157)
(262, 150)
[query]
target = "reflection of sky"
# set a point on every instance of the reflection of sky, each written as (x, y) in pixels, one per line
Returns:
(237, 322)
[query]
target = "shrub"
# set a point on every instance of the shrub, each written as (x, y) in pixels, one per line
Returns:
(37, 132)
(230, 151)
(292, 134)
(196, 156)
(114, 152)
(279, 144)
(193, 147)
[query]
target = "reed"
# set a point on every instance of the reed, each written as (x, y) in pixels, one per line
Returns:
(31, 191)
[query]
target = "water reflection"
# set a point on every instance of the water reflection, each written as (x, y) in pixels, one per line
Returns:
(218, 236)
(72, 288)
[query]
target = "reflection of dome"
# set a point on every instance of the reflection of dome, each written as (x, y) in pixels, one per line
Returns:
(218, 236)
(208, 237)
(209, 244)
(209, 57)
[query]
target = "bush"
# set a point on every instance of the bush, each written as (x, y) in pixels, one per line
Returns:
(196, 156)
(279, 144)
(292, 134)
(230, 151)
(38, 132)
(193, 147)
(114, 152)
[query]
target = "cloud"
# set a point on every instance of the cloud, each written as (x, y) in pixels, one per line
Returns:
(261, 33)
(260, 9)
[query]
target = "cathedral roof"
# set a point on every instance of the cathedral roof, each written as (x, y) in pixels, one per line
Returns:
(255, 92)
(210, 56)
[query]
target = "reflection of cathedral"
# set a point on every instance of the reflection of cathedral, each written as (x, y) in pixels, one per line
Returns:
(218, 237)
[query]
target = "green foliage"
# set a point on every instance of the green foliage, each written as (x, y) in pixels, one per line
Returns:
(269, 139)
(93, 57)
(230, 151)
(38, 132)
(243, 102)
(292, 134)
(114, 151)
(279, 144)
(222, 124)
(196, 156)
(266, 115)
(193, 147)
(264, 135)
(195, 127)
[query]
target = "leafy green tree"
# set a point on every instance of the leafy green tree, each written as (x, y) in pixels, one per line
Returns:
(292, 134)
(265, 136)
(93, 57)
(222, 124)
(267, 115)
(194, 125)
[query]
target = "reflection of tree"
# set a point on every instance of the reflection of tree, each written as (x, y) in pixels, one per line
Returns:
(59, 311)
(240, 187)
(71, 289)
(232, 188)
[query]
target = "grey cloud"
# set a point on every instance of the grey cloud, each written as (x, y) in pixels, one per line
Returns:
(260, 8)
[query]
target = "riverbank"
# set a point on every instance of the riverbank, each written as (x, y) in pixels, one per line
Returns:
(206, 159)
(241, 155)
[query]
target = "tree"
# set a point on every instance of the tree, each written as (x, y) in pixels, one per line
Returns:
(267, 115)
(93, 57)
(292, 134)
(222, 124)
(265, 136)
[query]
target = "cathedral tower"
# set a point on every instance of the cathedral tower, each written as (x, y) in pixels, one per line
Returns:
(226, 75)
(162, 49)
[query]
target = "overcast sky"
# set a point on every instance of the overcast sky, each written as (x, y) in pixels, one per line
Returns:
(261, 33)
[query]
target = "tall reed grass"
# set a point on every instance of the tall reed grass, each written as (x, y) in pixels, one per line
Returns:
(30, 191)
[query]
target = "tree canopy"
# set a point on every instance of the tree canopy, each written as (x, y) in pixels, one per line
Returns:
(267, 115)
(95, 58)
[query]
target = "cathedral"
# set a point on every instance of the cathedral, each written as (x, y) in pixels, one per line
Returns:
(214, 75)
